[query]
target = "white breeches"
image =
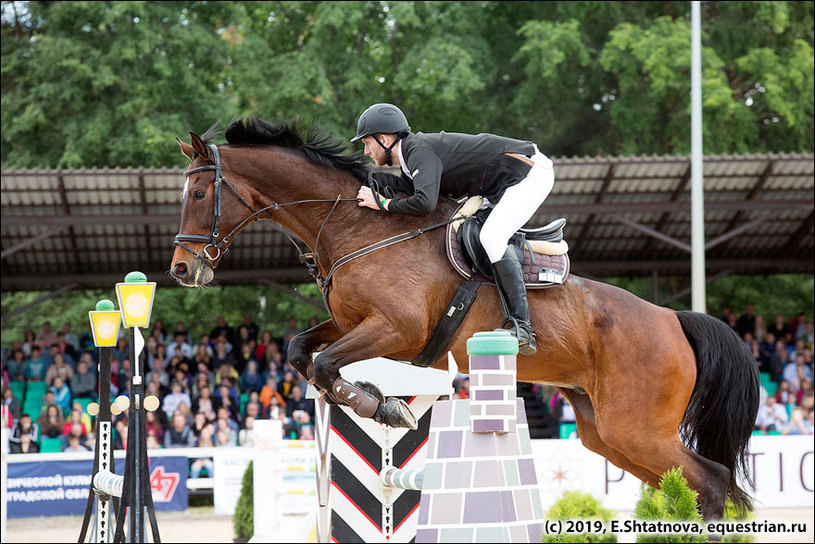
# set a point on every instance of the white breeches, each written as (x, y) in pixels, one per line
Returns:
(517, 206)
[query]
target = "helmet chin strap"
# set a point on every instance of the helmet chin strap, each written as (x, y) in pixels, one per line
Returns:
(388, 149)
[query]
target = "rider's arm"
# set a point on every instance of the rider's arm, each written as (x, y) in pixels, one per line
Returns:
(391, 184)
(425, 167)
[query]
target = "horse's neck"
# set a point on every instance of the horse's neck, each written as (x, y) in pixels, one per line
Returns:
(348, 228)
(297, 179)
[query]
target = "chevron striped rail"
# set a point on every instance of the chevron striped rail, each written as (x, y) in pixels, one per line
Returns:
(354, 504)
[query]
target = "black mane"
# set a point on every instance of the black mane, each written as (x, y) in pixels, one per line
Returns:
(318, 146)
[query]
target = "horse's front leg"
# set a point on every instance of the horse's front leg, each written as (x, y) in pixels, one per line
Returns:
(307, 342)
(374, 337)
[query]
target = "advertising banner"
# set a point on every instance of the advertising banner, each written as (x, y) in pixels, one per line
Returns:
(61, 488)
(781, 468)
(230, 466)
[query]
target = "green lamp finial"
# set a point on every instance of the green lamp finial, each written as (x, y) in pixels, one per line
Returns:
(135, 277)
(105, 305)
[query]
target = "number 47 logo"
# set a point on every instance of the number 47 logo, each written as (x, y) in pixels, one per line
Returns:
(163, 484)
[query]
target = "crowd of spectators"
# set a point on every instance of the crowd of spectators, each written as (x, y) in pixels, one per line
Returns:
(782, 350)
(214, 387)
(211, 388)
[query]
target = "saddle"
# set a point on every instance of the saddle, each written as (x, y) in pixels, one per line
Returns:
(544, 251)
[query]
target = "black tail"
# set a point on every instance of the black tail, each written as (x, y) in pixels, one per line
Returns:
(722, 410)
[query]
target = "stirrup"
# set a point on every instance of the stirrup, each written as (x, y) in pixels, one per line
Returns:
(528, 347)
(524, 334)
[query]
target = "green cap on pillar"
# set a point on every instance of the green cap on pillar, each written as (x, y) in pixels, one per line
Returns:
(497, 342)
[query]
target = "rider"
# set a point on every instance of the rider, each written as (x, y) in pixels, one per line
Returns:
(512, 174)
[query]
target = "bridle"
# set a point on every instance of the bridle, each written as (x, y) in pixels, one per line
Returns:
(212, 239)
(222, 246)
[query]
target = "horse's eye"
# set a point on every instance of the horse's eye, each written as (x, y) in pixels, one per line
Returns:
(199, 195)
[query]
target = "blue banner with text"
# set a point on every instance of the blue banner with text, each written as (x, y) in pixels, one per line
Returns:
(61, 488)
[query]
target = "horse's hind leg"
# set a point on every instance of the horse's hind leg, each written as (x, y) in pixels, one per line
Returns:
(587, 430)
(646, 429)
(374, 337)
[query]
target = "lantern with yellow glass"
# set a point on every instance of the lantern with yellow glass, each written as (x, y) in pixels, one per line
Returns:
(136, 296)
(104, 322)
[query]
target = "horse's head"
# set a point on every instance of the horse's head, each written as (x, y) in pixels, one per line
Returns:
(210, 216)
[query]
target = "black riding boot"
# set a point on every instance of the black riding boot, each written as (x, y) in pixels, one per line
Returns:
(509, 278)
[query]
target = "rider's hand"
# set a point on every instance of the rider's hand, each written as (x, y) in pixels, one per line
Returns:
(365, 198)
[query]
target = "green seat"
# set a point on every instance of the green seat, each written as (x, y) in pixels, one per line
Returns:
(36, 389)
(33, 407)
(18, 388)
(771, 388)
(50, 445)
(774, 433)
(566, 429)
(244, 399)
(758, 432)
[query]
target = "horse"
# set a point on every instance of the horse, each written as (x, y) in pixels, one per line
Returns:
(652, 388)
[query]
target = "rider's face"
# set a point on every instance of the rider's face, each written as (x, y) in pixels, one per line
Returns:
(376, 152)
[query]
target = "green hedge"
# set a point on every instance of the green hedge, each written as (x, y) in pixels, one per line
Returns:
(244, 517)
(674, 501)
(580, 506)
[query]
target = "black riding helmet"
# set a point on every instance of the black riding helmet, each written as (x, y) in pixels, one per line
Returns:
(382, 119)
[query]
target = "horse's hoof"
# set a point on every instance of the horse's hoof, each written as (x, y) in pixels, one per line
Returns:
(372, 390)
(396, 413)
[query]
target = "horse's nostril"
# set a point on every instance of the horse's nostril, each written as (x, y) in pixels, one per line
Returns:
(180, 270)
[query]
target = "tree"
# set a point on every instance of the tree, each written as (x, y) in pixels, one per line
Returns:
(675, 501)
(95, 84)
(92, 84)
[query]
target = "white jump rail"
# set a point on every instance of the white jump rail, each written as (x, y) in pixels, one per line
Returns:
(108, 483)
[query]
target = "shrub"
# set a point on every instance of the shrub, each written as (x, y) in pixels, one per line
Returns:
(675, 501)
(580, 506)
(731, 513)
(244, 517)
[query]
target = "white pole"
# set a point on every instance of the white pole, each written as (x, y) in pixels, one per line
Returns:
(697, 177)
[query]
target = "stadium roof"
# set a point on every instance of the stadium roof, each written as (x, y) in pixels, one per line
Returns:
(627, 216)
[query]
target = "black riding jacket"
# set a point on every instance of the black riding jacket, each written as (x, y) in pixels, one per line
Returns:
(450, 163)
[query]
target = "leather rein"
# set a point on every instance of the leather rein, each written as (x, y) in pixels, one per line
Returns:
(310, 259)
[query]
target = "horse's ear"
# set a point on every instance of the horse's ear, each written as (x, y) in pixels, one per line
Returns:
(198, 145)
(186, 149)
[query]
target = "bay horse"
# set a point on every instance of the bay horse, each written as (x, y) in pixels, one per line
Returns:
(652, 388)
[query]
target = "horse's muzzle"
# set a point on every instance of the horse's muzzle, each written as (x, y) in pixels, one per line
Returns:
(195, 274)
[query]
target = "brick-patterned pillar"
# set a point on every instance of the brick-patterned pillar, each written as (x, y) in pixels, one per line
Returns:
(479, 481)
(493, 372)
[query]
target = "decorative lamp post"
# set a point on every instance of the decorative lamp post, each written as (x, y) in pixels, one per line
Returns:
(135, 296)
(105, 329)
